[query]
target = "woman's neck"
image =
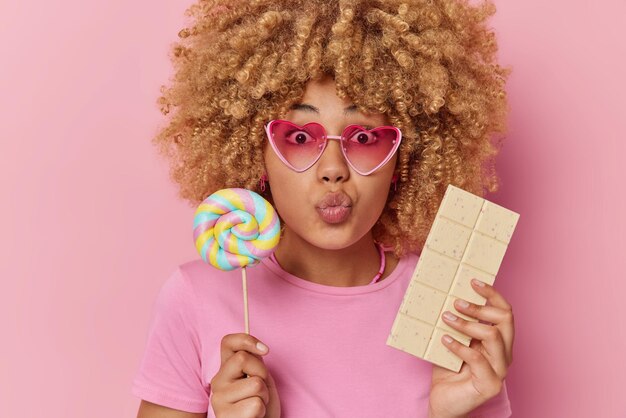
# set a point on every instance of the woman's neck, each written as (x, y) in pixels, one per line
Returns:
(355, 265)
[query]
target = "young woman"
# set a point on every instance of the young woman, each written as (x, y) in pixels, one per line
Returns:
(351, 118)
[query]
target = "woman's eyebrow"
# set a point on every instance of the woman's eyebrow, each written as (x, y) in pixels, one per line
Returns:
(310, 108)
(305, 107)
(350, 109)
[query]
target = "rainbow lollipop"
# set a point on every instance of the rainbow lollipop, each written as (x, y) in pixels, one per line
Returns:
(235, 228)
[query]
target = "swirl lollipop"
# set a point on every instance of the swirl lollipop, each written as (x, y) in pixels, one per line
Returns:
(235, 228)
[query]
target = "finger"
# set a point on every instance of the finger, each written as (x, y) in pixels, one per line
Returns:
(503, 318)
(489, 314)
(249, 408)
(241, 364)
(246, 388)
(490, 338)
(491, 294)
(486, 381)
(232, 343)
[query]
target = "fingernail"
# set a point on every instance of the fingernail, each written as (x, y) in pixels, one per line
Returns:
(478, 283)
(449, 316)
(462, 304)
(447, 339)
(262, 347)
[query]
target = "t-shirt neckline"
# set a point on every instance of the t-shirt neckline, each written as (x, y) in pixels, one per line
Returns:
(336, 290)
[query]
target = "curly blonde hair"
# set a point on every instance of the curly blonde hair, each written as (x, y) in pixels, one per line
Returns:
(429, 65)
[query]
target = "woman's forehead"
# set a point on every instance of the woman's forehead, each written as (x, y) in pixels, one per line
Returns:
(333, 117)
(321, 101)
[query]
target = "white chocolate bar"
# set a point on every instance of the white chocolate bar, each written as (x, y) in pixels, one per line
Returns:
(468, 239)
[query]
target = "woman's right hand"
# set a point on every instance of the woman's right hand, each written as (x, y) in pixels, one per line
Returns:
(233, 395)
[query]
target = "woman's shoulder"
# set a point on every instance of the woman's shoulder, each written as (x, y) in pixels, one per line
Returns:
(409, 258)
(198, 269)
(199, 278)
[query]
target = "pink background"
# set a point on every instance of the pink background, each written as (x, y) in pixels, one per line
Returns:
(92, 227)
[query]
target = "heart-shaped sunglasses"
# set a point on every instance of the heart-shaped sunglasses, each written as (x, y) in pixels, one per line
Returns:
(365, 150)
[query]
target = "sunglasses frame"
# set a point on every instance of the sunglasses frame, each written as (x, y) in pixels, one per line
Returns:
(341, 139)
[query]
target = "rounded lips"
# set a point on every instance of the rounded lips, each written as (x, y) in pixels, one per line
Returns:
(334, 207)
(334, 199)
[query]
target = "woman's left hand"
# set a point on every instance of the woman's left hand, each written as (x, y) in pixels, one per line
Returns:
(486, 360)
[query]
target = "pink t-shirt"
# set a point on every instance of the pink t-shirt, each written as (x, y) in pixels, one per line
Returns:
(327, 355)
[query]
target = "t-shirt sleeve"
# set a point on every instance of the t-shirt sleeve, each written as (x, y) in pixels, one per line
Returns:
(496, 407)
(170, 370)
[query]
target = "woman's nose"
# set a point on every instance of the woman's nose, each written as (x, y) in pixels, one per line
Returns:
(332, 166)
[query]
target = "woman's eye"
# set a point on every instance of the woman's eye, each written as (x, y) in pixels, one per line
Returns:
(364, 138)
(299, 137)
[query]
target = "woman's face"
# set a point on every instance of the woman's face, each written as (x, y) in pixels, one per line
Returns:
(330, 205)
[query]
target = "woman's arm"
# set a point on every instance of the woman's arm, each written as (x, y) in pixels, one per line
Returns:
(152, 410)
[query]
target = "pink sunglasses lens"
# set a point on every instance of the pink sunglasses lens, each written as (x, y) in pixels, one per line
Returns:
(366, 150)
(299, 146)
